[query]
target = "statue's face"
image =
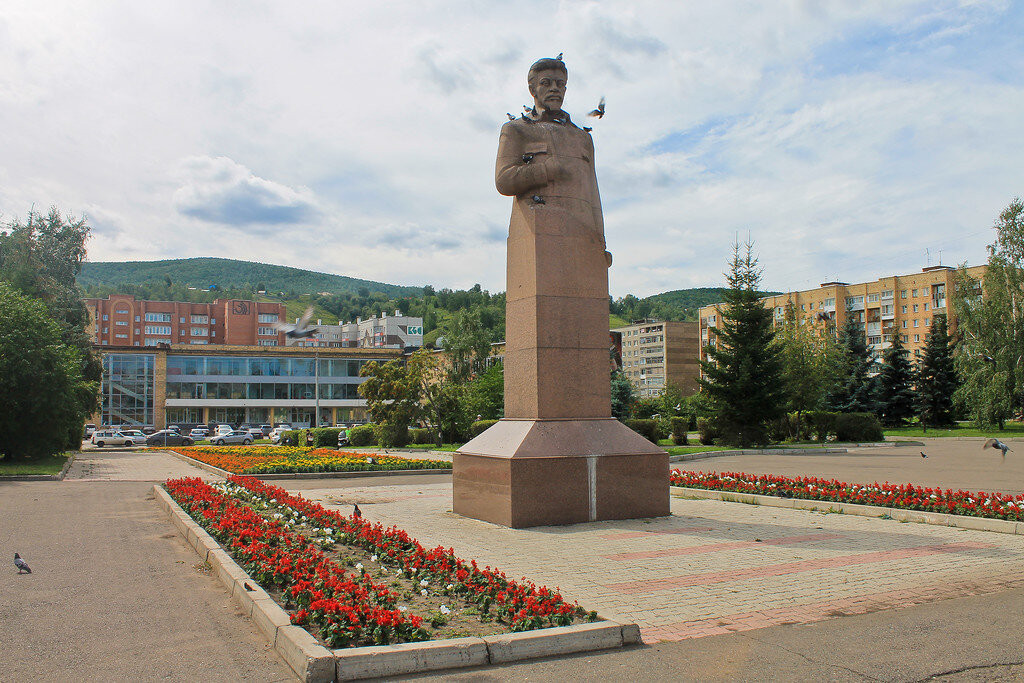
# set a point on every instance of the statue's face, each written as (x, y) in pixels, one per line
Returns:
(548, 89)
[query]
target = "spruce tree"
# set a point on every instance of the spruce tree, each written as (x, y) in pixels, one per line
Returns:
(936, 378)
(854, 390)
(896, 384)
(743, 373)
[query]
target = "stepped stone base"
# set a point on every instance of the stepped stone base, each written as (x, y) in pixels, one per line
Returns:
(524, 473)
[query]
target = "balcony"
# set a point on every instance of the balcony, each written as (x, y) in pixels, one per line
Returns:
(874, 329)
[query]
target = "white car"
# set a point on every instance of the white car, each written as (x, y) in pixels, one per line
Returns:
(222, 429)
(110, 437)
(240, 436)
(275, 436)
(255, 433)
(199, 433)
(135, 435)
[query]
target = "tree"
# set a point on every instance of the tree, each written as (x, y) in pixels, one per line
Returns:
(854, 389)
(896, 384)
(802, 352)
(623, 395)
(393, 392)
(990, 327)
(486, 393)
(936, 378)
(743, 373)
(467, 344)
(44, 397)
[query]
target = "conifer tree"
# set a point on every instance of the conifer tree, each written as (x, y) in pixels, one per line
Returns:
(896, 384)
(854, 390)
(936, 378)
(743, 373)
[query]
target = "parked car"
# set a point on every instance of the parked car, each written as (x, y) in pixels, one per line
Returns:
(266, 429)
(148, 430)
(275, 435)
(167, 437)
(174, 428)
(90, 429)
(237, 436)
(223, 429)
(254, 432)
(199, 433)
(135, 435)
(110, 437)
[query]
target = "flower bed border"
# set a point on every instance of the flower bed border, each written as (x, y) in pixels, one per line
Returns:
(304, 475)
(313, 662)
(1002, 526)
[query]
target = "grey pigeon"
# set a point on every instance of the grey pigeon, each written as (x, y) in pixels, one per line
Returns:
(510, 117)
(996, 443)
(537, 199)
(599, 112)
(21, 564)
(923, 455)
(559, 57)
(301, 328)
(357, 513)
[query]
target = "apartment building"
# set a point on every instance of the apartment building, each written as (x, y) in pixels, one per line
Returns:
(189, 385)
(121, 320)
(898, 302)
(657, 353)
(395, 331)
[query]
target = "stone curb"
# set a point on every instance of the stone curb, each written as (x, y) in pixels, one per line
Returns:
(43, 477)
(1002, 526)
(307, 475)
(313, 662)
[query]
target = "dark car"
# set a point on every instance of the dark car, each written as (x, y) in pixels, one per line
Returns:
(166, 437)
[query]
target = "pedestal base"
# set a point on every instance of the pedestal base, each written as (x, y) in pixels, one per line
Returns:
(523, 473)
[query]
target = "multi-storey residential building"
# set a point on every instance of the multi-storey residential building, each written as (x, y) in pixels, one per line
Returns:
(188, 385)
(386, 332)
(906, 303)
(121, 320)
(657, 353)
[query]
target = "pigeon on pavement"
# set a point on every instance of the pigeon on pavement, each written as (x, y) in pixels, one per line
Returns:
(21, 564)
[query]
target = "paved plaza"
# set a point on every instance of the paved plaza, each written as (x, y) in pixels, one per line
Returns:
(722, 591)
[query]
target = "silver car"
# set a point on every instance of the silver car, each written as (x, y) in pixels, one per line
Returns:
(237, 436)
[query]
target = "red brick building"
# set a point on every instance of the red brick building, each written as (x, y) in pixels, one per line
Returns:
(121, 320)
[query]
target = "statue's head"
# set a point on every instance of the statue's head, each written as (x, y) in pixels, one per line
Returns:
(547, 80)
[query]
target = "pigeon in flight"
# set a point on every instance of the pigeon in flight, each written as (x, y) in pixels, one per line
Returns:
(356, 512)
(996, 443)
(599, 112)
(301, 329)
(923, 455)
(21, 564)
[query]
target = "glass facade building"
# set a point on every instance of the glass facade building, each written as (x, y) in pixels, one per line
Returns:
(128, 389)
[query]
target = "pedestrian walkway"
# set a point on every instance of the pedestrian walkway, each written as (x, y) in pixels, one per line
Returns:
(131, 466)
(712, 567)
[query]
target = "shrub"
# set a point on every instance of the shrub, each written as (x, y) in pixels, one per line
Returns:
(421, 436)
(858, 427)
(478, 427)
(645, 428)
(293, 437)
(679, 426)
(819, 423)
(391, 435)
(325, 437)
(708, 430)
(362, 435)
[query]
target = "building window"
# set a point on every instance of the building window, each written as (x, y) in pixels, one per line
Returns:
(122, 323)
(122, 311)
(904, 338)
(915, 308)
(153, 341)
(106, 317)
(926, 307)
(158, 329)
(903, 308)
(158, 317)
(266, 342)
(213, 321)
(181, 320)
(267, 331)
(106, 329)
(128, 389)
(199, 331)
(886, 293)
(916, 321)
(904, 323)
(913, 292)
(137, 319)
(903, 294)
(917, 337)
(924, 291)
(200, 319)
(121, 336)
(927, 322)
(872, 298)
(198, 341)
(268, 317)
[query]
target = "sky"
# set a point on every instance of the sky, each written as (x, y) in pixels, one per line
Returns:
(847, 140)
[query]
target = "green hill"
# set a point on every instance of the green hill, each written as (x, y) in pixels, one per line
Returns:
(231, 274)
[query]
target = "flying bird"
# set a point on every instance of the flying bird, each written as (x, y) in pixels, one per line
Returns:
(357, 513)
(21, 564)
(510, 117)
(301, 329)
(599, 112)
(923, 455)
(996, 443)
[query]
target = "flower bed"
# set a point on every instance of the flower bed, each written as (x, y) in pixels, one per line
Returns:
(343, 577)
(294, 459)
(902, 496)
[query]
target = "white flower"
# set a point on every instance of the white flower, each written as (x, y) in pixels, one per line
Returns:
(413, 570)
(450, 586)
(424, 582)
(359, 566)
(328, 531)
(445, 610)
(402, 608)
(423, 592)
(273, 500)
(373, 558)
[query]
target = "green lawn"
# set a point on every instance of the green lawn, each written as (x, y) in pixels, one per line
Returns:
(1012, 429)
(450, 447)
(683, 450)
(52, 465)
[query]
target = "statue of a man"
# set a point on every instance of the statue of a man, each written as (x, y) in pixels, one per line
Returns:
(557, 305)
